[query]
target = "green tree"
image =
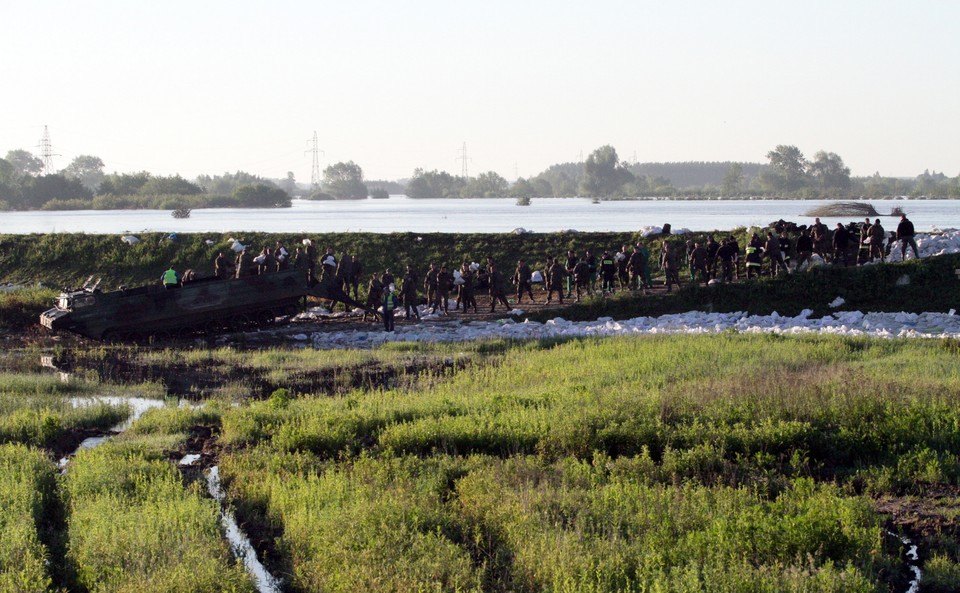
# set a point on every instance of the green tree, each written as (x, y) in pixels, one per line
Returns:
(787, 168)
(522, 188)
(86, 169)
(732, 180)
(166, 186)
(123, 184)
(604, 174)
(486, 185)
(24, 162)
(434, 185)
(9, 188)
(829, 171)
(541, 187)
(344, 181)
(37, 191)
(261, 195)
(289, 183)
(227, 184)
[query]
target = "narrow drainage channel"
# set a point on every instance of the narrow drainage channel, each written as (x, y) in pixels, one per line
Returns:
(239, 542)
(913, 557)
(138, 405)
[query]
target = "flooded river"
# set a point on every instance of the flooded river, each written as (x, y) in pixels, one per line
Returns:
(402, 214)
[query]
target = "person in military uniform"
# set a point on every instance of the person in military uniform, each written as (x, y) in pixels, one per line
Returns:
(245, 266)
(329, 266)
(282, 256)
(409, 293)
(521, 277)
(556, 274)
(905, 234)
(804, 248)
(444, 280)
(581, 278)
(841, 241)
(356, 271)
(698, 263)
(645, 265)
(712, 247)
(571, 264)
(670, 262)
(608, 269)
(623, 267)
(771, 248)
(466, 296)
(374, 295)
(821, 244)
(221, 267)
(591, 260)
(386, 278)
(877, 235)
(497, 291)
(727, 254)
(310, 259)
(267, 261)
(431, 284)
(636, 266)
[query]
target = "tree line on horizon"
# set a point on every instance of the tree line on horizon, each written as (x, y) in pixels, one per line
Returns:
(83, 184)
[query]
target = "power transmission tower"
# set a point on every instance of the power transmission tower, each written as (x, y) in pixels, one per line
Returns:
(315, 173)
(463, 157)
(46, 152)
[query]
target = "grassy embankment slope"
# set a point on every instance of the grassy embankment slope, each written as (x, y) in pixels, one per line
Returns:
(68, 259)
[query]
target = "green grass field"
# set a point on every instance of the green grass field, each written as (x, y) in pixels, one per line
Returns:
(683, 463)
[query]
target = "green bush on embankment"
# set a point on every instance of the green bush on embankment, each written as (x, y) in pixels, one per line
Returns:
(21, 307)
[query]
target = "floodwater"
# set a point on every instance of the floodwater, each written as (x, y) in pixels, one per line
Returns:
(501, 215)
(239, 542)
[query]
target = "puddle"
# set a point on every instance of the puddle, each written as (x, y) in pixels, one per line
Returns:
(194, 381)
(138, 406)
(239, 543)
(914, 558)
(87, 443)
(189, 459)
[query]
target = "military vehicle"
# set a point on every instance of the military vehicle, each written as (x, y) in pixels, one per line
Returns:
(205, 305)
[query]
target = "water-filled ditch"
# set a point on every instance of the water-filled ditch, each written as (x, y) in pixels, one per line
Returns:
(238, 542)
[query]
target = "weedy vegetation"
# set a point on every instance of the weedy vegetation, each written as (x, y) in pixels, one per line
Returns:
(683, 463)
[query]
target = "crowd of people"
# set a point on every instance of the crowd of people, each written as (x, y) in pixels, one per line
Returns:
(782, 249)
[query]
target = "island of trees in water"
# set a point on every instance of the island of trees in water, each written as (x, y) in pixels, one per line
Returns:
(83, 184)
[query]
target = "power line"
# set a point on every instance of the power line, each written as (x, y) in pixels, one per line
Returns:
(46, 152)
(463, 157)
(315, 173)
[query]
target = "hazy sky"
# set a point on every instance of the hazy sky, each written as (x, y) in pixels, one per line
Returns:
(205, 86)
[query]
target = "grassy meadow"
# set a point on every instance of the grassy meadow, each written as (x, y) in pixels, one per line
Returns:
(685, 463)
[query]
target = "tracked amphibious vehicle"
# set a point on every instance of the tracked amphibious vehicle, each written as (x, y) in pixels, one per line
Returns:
(204, 305)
